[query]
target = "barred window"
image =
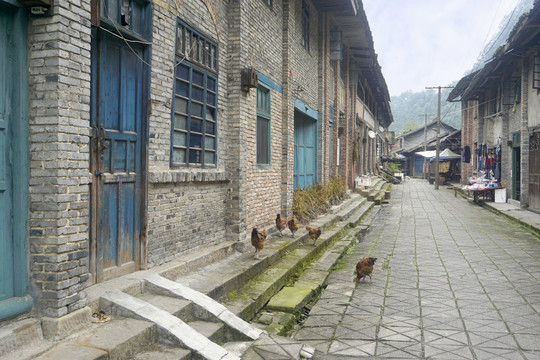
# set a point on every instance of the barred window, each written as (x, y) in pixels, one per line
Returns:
(194, 123)
(263, 125)
(512, 91)
(305, 24)
(536, 74)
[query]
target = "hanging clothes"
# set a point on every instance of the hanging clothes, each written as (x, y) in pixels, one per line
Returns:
(497, 171)
(466, 154)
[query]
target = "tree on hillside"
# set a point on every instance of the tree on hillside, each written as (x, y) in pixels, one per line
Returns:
(410, 107)
(410, 125)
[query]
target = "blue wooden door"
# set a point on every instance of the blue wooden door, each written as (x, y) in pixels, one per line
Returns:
(13, 161)
(117, 192)
(305, 151)
(6, 194)
(418, 165)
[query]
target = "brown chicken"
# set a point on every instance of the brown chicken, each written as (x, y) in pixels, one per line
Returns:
(281, 224)
(257, 240)
(293, 225)
(314, 233)
(364, 268)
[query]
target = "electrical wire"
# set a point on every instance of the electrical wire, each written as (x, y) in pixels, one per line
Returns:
(121, 36)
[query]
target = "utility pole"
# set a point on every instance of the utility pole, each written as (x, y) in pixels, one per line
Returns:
(437, 148)
(425, 143)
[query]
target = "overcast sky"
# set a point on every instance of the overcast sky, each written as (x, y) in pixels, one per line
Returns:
(431, 42)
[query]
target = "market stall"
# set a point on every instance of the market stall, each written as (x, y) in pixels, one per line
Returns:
(486, 188)
(449, 165)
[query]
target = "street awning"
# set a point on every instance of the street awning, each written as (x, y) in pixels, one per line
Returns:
(427, 154)
(449, 154)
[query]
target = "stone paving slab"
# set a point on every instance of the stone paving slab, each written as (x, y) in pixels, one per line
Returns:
(452, 281)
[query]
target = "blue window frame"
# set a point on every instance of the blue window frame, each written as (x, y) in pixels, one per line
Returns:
(194, 122)
(305, 24)
(263, 125)
(129, 16)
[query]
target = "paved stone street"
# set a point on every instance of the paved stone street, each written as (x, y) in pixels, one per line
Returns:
(452, 281)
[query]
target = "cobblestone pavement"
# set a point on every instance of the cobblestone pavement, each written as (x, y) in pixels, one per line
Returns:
(452, 281)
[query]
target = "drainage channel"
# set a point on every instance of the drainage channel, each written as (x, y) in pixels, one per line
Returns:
(290, 307)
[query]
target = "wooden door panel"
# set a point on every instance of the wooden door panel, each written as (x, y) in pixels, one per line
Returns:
(305, 157)
(534, 172)
(6, 214)
(117, 159)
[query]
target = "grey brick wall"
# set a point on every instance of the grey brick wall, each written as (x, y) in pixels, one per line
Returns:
(263, 197)
(59, 75)
(187, 207)
(303, 62)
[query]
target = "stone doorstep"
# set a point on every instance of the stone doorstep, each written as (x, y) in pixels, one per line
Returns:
(24, 334)
(118, 339)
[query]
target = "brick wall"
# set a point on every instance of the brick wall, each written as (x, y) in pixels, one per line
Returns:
(303, 62)
(183, 216)
(263, 197)
(187, 207)
(59, 75)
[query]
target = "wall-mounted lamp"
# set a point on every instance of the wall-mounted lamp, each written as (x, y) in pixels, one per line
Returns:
(38, 7)
(249, 78)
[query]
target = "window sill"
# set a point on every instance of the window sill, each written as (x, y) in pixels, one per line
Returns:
(185, 175)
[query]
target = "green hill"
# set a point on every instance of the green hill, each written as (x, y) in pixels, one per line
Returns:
(409, 108)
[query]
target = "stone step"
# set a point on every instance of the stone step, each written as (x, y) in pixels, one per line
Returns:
(248, 300)
(353, 197)
(161, 285)
(356, 218)
(169, 327)
(249, 283)
(288, 303)
(120, 338)
(348, 211)
(23, 339)
(164, 352)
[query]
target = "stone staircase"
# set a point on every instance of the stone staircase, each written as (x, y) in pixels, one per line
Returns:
(378, 191)
(202, 311)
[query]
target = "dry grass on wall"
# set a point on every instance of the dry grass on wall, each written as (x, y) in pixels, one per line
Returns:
(310, 202)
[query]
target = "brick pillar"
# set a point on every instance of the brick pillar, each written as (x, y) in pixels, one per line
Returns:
(324, 98)
(238, 110)
(524, 191)
(337, 121)
(59, 76)
(287, 129)
(345, 146)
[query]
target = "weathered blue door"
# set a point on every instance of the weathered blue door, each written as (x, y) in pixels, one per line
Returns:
(418, 165)
(305, 150)
(6, 238)
(13, 161)
(117, 123)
